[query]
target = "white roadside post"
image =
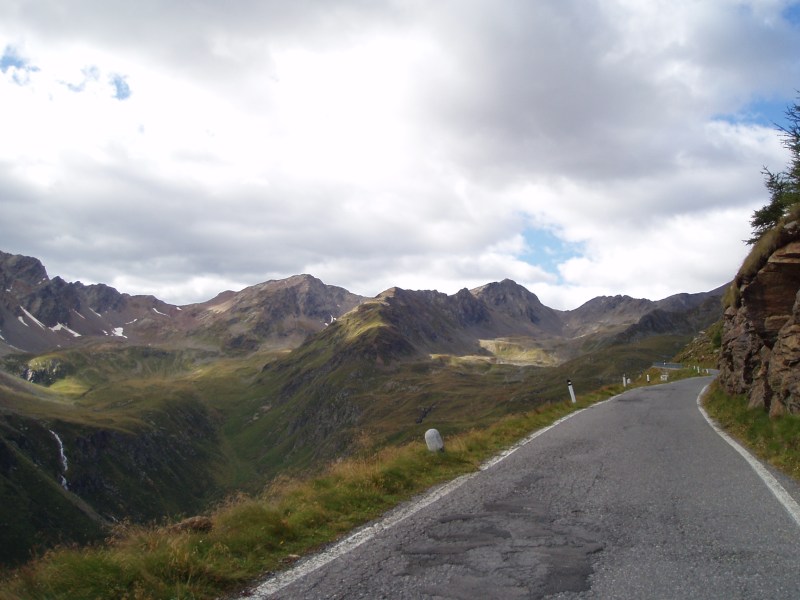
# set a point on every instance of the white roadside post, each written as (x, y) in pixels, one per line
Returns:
(648, 378)
(571, 391)
(624, 381)
(434, 440)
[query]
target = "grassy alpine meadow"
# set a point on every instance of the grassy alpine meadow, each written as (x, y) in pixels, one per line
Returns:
(776, 440)
(247, 537)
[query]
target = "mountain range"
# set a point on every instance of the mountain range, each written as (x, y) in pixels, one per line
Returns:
(38, 314)
(116, 406)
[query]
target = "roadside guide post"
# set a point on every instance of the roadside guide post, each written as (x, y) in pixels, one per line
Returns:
(571, 391)
(433, 439)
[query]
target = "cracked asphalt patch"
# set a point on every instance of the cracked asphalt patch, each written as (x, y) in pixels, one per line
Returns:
(511, 549)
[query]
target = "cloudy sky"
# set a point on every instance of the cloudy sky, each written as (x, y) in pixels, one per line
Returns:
(579, 147)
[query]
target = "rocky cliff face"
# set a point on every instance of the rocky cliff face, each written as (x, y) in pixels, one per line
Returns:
(761, 331)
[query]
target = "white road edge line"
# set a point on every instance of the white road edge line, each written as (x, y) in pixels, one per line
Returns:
(776, 488)
(365, 534)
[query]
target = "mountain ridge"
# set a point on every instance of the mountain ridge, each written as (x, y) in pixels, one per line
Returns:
(38, 313)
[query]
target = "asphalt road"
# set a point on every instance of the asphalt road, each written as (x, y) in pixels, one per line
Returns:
(635, 498)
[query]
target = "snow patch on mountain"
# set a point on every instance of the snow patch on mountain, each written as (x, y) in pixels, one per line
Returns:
(61, 326)
(32, 318)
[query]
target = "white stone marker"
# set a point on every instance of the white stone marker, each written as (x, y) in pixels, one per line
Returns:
(434, 440)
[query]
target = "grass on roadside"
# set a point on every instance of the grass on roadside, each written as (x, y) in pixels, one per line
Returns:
(247, 537)
(776, 440)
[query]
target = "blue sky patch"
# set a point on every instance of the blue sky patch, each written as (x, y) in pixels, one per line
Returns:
(768, 112)
(89, 74)
(546, 250)
(792, 13)
(122, 90)
(10, 59)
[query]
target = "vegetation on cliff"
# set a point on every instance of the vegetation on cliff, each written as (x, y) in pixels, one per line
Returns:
(783, 186)
(761, 332)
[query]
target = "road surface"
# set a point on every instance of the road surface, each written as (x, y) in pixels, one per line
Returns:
(637, 497)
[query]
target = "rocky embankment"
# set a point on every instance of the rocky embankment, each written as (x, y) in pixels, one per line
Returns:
(761, 330)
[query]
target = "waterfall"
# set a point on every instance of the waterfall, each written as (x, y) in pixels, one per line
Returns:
(62, 458)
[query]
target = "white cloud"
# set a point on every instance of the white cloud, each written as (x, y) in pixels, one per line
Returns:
(379, 144)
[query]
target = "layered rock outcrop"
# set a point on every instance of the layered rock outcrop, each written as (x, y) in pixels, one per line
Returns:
(761, 331)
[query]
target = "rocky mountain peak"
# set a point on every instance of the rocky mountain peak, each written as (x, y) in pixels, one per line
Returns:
(500, 291)
(606, 314)
(102, 297)
(619, 303)
(515, 302)
(509, 295)
(18, 269)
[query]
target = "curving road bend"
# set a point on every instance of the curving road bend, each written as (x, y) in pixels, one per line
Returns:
(637, 497)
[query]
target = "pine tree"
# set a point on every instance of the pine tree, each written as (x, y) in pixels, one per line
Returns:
(783, 187)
